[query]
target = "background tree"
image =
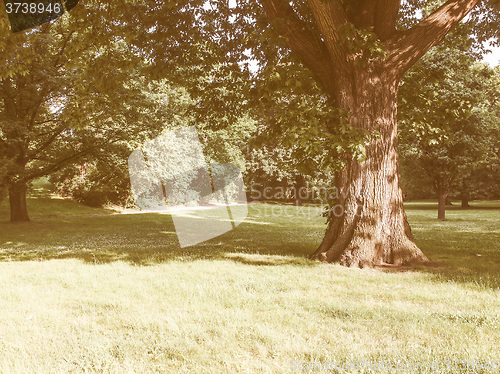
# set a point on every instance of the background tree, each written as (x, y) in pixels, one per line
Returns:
(448, 128)
(484, 180)
(103, 177)
(100, 111)
(56, 107)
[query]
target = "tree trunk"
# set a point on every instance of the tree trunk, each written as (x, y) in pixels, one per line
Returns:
(442, 192)
(18, 206)
(464, 196)
(299, 186)
(368, 225)
(465, 202)
(448, 201)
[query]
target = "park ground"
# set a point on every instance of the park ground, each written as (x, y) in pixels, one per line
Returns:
(86, 290)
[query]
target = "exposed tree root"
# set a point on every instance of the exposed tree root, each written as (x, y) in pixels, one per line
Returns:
(368, 242)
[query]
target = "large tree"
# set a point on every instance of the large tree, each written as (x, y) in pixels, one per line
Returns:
(57, 102)
(358, 51)
(72, 88)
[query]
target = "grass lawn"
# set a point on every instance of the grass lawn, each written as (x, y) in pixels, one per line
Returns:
(89, 291)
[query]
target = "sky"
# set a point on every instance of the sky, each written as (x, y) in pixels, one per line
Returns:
(494, 57)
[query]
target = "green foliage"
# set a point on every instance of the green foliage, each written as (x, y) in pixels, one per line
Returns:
(295, 115)
(103, 177)
(59, 113)
(99, 180)
(202, 47)
(449, 127)
(364, 42)
(54, 106)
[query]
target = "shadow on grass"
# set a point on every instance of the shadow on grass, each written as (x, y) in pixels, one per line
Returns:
(464, 249)
(474, 265)
(149, 238)
(432, 205)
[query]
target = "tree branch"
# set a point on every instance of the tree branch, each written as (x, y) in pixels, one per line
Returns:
(301, 40)
(64, 161)
(55, 167)
(386, 15)
(59, 55)
(407, 47)
(33, 154)
(329, 17)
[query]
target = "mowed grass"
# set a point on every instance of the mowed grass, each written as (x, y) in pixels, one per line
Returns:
(84, 290)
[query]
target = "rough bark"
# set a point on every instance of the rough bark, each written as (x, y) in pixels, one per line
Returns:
(18, 206)
(368, 224)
